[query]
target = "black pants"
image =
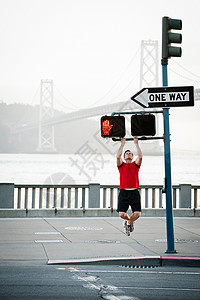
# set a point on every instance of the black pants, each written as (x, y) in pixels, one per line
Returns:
(129, 197)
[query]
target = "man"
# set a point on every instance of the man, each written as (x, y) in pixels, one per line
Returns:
(129, 185)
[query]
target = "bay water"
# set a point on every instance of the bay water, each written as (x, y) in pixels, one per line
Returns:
(92, 168)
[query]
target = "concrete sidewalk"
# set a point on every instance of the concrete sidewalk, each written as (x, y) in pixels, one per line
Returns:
(97, 240)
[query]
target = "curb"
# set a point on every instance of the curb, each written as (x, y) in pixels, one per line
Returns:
(182, 261)
(146, 261)
(90, 212)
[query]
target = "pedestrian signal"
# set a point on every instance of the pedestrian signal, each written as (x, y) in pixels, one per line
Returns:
(143, 125)
(113, 126)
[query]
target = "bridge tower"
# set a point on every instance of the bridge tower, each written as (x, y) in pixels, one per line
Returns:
(46, 142)
(149, 73)
(149, 64)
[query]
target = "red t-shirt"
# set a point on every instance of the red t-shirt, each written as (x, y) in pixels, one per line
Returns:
(129, 178)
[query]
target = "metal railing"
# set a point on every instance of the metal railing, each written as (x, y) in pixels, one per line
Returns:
(50, 196)
(78, 196)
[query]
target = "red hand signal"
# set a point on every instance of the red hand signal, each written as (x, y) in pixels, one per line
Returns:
(106, 127)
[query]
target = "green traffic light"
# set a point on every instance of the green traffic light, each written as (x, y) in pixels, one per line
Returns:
(174, 51)
(174, 24)
(169, 38)
(174, 38)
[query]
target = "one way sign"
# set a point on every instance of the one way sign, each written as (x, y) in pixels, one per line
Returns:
(165, 96)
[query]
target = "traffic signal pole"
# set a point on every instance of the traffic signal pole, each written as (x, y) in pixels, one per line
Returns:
(169, 37)
(168, 184)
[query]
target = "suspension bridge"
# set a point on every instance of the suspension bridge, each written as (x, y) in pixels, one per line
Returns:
(47, 120)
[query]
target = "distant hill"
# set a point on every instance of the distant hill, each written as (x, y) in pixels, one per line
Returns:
(70, 137)
(75, 137)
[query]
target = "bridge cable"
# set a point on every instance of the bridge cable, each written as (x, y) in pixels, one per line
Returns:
(72, 106)
(117, 81)
(197, 81)
(186, 70)
(24, 115)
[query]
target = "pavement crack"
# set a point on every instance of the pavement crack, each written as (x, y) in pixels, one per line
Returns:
(186, 230)
(133, 239)
(114, 226)
(143, 246)
(45, 252)
(57, 230)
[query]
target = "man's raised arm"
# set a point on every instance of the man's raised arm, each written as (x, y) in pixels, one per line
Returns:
(138, 160)
(119, 152)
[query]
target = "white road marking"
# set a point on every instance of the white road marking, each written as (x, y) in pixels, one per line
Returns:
(83, 228)
(87, 278)
(163, 288)
(140, 271)
(112, 297)
(104, 290)
(49, 241)
(89, 284)
(72, 269)
(48, 232)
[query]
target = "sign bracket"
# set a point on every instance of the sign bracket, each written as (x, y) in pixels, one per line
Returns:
(137, 112)
(143, 138)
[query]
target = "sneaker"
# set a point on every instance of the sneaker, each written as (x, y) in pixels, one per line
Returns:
(131, 227)
(126, 228)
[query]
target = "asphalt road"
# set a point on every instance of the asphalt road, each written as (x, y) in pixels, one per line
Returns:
(32, 280)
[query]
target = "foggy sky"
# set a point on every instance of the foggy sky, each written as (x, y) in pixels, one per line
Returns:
(91, 50)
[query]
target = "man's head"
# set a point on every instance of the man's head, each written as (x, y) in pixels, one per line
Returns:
(128, 156)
